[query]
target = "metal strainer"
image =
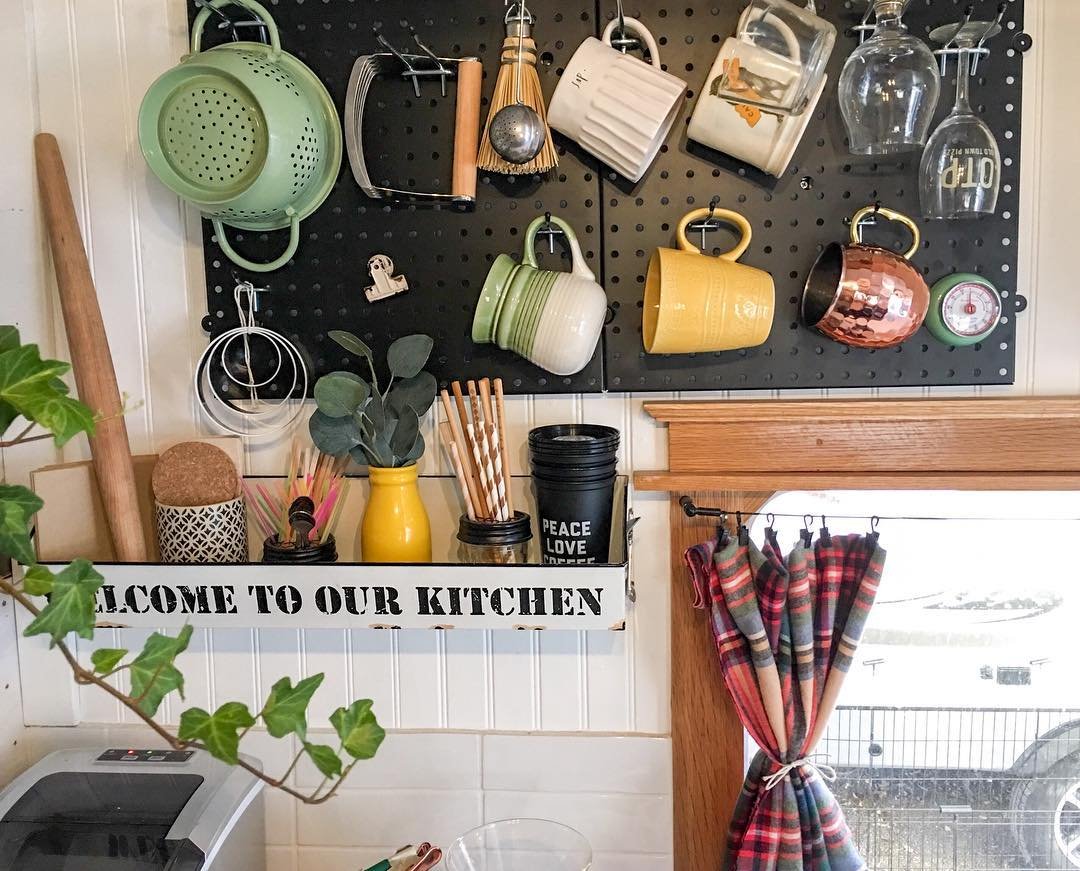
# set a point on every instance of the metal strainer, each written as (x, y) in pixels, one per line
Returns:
(244, 131)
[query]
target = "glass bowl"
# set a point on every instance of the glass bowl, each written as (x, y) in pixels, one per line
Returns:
(520, 845)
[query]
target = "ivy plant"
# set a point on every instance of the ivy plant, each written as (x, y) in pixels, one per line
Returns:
(63, 603)
(375, 427)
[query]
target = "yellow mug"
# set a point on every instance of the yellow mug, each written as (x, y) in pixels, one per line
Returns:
(695, 303)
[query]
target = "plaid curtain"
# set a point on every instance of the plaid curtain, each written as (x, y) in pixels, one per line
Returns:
(786, 631)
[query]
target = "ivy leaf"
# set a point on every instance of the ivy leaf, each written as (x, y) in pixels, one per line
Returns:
(359, 731)
(38, 581)
(8, 413)
(9, 338)
(407, 356)
(29, 501)
(28, 384)
(339, 394)
(334, 435)
(106, 659)
(325, 759)
(285, 710)
(15, 530)
(219, 732)
(153, 674)
(71, 605)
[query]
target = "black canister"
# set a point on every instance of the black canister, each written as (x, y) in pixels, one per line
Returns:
(573, 470)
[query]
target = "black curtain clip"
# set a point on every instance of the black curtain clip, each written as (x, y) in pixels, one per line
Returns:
(806, 535)
(825, 536)
(744, 533)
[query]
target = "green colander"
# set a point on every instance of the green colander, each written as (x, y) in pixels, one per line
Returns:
(244, 131)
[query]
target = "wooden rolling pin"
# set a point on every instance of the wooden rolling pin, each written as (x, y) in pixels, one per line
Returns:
(470, 76)
(91, 361)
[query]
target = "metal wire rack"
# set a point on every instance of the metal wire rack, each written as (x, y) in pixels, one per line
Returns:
(959, 789)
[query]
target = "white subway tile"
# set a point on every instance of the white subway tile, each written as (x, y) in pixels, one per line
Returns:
(342, 858)
(406, 760)
(612, 823)
(577, 763)
(280, 817)
(632, 862)
(358, 818)
(281, 859)
(40, 741)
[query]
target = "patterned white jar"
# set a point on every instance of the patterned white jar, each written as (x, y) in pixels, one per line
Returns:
(203, 533)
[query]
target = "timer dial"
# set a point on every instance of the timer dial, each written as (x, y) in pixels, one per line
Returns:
(964, 309)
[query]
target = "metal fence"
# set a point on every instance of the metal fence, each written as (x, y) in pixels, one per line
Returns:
(933, 789)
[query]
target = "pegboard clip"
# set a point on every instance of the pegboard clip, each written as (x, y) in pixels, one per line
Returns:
(386, 283)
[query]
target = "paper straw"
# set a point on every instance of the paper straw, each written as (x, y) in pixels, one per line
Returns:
(504, 451)
(455, 460)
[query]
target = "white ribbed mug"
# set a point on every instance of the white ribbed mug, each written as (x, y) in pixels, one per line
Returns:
(614, 105)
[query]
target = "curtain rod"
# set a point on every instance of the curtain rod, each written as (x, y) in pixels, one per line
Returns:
(692, 510)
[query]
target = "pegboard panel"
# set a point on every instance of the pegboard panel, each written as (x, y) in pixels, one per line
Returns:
(446, 254)
(796, 216)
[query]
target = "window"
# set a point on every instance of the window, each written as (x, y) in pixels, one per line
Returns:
(957, 743)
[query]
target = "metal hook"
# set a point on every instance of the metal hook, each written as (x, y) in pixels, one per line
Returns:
(874, 521)
(864, 27)
(232, 23)
(443, 71)
(980, 50)
(551, 231)
(707, 224)
(524, 15)
(619, 38)
(771, 520)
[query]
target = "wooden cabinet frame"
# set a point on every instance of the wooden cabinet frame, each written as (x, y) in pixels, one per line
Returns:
(738, 454)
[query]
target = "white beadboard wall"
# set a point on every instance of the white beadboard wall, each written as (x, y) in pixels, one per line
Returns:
(78, 68)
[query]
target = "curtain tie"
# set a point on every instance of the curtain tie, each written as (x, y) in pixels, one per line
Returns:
(814, 762)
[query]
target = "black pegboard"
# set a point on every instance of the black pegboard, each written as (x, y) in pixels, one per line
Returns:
(446, 254)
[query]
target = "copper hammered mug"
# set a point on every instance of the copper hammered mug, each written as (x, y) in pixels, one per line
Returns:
(863, 295)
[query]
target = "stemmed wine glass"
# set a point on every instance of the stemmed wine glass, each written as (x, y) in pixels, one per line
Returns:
(960, 171)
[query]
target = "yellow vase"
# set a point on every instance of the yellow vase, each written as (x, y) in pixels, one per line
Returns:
(395, 528)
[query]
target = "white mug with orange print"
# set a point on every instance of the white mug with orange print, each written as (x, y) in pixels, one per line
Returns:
(755, 135)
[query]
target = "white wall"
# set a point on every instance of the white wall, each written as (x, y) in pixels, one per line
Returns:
(78, 68)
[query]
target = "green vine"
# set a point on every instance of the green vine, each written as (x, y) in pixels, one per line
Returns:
(63, 603)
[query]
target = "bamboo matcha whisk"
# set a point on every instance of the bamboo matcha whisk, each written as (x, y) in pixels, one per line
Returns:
(517, 139)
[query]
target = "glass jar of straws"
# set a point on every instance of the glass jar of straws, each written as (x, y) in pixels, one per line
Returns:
(495, 543)
(297, 515)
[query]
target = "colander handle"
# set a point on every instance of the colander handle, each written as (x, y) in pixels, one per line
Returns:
(244, 263)
(257, 8)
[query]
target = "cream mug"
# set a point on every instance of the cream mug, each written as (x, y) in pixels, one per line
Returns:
(614, 105)
(552, 319)
(764, 131)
